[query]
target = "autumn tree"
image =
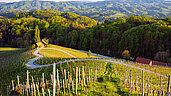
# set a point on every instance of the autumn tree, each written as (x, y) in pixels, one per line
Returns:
(126, 54)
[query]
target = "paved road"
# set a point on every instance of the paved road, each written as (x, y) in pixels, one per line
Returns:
(31, 63)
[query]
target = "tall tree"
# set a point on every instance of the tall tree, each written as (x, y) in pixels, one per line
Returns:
(37, 34)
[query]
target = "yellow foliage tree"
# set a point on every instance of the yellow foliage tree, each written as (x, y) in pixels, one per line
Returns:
(125, 54)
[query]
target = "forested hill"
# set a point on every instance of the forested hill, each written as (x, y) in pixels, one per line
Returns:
(141, 36)
(102, 10)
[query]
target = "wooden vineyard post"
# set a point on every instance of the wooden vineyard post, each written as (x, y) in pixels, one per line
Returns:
(27, 84)
(49, 92)
(65, 77)
(43, 92)
(73, 86)
(125, 79)
(130, 81)
(88, 78)
(12, 85)
(83, 77)
(136, 85)
(32, 79)
(95, 78)
(63, 87)
(54, 79)
(18, 81)
(27, 80)
(43, 81)
(76, 80)
(168, 86)
(79, 76)
(120, 76)
(116, 73)
(69, 89)
(57, 81)
(34, 89)
(160, 89)
(148, 86)
(91, 76)
(38, 89)
(142, 82)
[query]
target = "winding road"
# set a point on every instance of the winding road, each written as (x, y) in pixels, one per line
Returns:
(32, 65)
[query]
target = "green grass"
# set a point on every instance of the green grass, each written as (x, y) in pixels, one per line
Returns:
(108, 83)
(10, 52)
(118, 15)
(76, 53)
(8, 49)
(54, 53)
(158, 69)
(12, 63)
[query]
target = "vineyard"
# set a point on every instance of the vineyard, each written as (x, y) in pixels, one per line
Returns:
(82, 78)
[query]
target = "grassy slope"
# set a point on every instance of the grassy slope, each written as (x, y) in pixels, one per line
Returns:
(53, 53)
(12, 63)
(76, 53)
(8, 49)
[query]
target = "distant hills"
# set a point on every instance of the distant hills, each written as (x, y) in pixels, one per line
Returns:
(108, 9)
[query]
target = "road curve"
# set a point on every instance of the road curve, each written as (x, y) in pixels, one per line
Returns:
(32, 65)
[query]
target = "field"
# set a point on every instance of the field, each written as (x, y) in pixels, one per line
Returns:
(76, 53)
(53, 53)
(8, 49)
(82, 78)
(118, 15)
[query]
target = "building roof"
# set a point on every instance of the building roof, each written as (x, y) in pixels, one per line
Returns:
(40, 44)
(147, 61)
(143, 60)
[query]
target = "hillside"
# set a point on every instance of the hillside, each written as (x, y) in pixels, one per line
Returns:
(92, 77)
(141, 36)
(97, 10)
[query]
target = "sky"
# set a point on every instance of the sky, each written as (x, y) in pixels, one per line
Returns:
(48, 0)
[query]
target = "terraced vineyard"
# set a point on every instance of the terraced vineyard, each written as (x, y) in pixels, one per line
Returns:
(82, 78)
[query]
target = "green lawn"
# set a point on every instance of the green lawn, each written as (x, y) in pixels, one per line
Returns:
(8, 49)
(54, 53)
(77, 54)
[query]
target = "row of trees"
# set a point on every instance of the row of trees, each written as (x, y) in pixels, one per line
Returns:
(140, 35)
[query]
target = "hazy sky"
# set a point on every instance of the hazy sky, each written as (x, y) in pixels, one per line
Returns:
(48, 0)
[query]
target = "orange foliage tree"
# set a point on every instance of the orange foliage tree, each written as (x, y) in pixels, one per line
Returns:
(125, 54)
